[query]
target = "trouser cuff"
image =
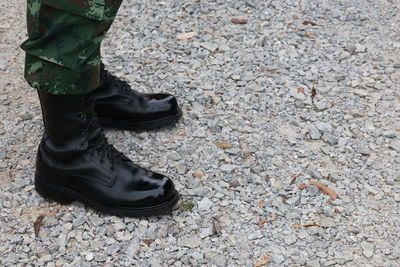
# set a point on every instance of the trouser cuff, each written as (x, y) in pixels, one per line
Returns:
(60, 80)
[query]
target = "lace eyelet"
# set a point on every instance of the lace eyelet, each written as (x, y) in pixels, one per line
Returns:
(102, 161)
(80, 115)
(112, 169)
(83, 144)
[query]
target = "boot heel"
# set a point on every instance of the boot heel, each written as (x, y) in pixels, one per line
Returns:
(50, 192)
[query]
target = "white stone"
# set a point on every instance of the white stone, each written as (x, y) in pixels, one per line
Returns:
(205, 204)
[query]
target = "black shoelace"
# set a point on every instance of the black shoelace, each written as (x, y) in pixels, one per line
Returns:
(97, 141)
(108, 78)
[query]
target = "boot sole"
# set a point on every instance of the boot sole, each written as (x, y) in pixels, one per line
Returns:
(64, 196)
(145, 125)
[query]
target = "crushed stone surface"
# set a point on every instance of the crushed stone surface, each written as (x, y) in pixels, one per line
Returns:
(297, 91)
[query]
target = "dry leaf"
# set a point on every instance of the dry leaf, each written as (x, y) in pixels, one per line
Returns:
(264, 262)
(37, 224)
(147, 241)
(310, 34)
(262, 203)
(294, 177)
(239, 21)
(261, 223)
(302, 186)
(307, 22)
(224, 145)
(218, 51)
(313, 92)
(183, 134)
(324, 189)
(186, 35)
(300, 90)
(297, 225)
(310, 224)
(198, 175)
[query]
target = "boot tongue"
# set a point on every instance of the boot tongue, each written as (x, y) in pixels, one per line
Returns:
(97, 140)
(108, 80)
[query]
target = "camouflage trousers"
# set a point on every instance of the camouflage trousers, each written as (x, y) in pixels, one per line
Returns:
(63, 49)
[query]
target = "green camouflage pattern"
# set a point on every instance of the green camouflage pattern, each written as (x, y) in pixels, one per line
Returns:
(63, 49)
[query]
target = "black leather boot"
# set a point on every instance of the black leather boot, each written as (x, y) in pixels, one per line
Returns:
(75, 162)
(117, 105)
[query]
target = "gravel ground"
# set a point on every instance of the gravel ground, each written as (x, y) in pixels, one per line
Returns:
(304, 92)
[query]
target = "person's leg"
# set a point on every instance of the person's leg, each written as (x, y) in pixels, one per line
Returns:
(63, 49)
(74, 160)
(63, 57)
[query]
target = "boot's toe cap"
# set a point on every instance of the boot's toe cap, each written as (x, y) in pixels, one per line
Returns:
(163, 103)
(142, 188)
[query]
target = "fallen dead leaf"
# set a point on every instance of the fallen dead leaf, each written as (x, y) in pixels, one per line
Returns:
(310, 224)
(182, 134)
(300, 90)
(147, 241)
(218, 51)
(324, 189)
(297, 225)
(313, 93)
(302, 186)
(239, 21)
(308, 22)
(262, 203)
(310, 34)
(186, 35)
(37, 224)
(198, 175)
(294, 178)
(224, 145)
(261, 223)
(264, 262)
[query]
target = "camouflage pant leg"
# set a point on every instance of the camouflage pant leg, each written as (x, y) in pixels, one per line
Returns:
(63, 49)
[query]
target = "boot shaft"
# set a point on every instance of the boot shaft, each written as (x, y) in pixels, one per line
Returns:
(65, 119)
